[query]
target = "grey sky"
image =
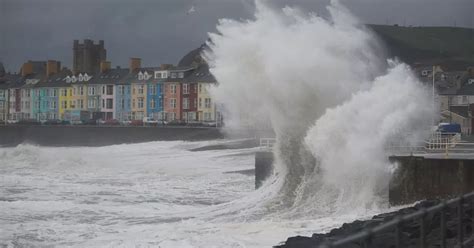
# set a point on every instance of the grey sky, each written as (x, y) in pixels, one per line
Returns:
(160, 31)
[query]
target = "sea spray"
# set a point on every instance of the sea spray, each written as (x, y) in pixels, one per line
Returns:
(297, 72)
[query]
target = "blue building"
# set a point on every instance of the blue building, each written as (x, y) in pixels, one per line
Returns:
(123, 98)
(154, 100)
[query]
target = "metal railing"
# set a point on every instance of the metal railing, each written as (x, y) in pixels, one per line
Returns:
(447, 143)
(267, 143)
(366, 238)
(442, 141)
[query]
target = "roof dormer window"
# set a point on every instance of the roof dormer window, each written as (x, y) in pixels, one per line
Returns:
(173, 75)
(146, 76)
(140, 76)
(181, 75)
(73, 79)
(81, 78)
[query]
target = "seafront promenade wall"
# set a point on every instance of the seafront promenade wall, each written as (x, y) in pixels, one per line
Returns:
(419, 178)
(100, 136)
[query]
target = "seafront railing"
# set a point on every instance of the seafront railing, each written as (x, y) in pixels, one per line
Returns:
(366, 237)
(267, 143)
(444, 143)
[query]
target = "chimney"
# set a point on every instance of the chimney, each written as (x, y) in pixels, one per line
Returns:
(135, 63)
(104, 66)
(165, 66)
(27, 69)
(52, 67)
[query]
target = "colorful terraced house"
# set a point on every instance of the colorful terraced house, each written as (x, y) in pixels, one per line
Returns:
(44, 92)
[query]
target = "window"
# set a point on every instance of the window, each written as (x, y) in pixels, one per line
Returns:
(110, 103)
(207, 103)
(185, 88)
(81, 90)
(121, 90)
(110, 90)
(64, 104)
(63, 92)
(195, 103)
(91, 91)
(152, 89)
(1, 104)
(172, 116)
(173, 103)
(53, 105)
(152, 103)
(157, 74)
(133, 103)
(140, 102)
(70, 92)
(27, 93)
(80, 102)
(122, 104)
(181, 75)
(72, 104)
(103, 103)
(141, 89)
(185, 103)
(191, 116)
(91, 103)
(103, 90)
(139, 116)
(134, 91)
(2, 93)
(173, 88)
(200, 102)
(200, 88)
(173, 75)
(207, 116)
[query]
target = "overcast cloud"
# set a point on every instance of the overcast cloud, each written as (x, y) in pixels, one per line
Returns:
(161, 31)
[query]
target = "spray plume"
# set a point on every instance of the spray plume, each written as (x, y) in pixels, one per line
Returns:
(328, 92)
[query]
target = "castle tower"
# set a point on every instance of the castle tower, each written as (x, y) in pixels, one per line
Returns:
(87, 56)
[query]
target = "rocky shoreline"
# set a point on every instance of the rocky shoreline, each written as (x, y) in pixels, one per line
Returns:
(410, 229)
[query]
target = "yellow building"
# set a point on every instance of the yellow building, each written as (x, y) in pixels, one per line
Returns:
(74, 102)
(206, 106)
(139, 91)
(65, 98)
(78, 99)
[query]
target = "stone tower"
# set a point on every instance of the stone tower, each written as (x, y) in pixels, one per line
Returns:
(87, 56)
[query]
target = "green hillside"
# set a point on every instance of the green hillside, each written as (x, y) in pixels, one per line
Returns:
(451, 46)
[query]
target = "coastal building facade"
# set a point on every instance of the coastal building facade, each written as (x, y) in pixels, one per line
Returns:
(164, 93)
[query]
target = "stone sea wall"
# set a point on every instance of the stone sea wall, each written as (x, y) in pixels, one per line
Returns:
(100, 136)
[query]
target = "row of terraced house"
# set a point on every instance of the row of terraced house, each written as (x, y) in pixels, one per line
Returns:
(45, 91)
